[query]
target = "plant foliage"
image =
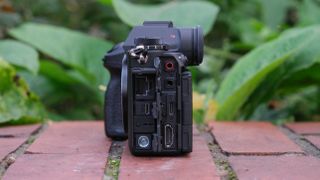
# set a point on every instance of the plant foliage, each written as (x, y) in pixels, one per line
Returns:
(194, 13)
(261, 57)
(16, 101)
(290, 52)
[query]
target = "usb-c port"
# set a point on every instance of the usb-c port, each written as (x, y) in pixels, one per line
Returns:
(147, 109)
(171, 109)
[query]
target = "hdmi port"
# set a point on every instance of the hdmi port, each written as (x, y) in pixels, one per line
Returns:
(168, 135)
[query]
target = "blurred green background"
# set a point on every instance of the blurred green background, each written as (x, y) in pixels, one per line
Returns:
(261, 56)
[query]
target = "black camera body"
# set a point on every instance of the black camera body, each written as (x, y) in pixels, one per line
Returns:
(149, 96)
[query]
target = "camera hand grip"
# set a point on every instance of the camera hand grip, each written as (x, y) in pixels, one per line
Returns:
(113, 107)
(113, 110)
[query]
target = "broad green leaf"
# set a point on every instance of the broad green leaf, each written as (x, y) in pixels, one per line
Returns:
(189, 13)
(19, 54)
(274, 11)
(309, 12)
(39, 84)
(304, 77)
(72, 48)
(303, 60)
(55, 72)
(16, 101)
(252, 69)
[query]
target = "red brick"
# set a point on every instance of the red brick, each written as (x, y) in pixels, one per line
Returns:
(65, 150)
(196, 165)
(57, 166)
(252, 138)
(18, 131)
(305, 127)
(293, 167)
(7, 145)
(12, 137)
(72, 137)
(315, 140)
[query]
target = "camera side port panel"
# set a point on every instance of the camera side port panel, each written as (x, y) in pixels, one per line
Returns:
(169, 120)
(143, 121)
(169, 99)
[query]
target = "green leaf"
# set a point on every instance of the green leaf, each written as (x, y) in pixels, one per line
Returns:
(19, 54)
(303, 60)
(309, 12)
(72, 48)
(62, 76)
(16, 101)
(55, 72)
(189, 13)
(106, 2)
(274, 11)
(39, 84)
(248, 73)
(303, 78)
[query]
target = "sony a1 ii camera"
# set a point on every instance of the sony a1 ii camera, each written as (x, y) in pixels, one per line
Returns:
(149, 96)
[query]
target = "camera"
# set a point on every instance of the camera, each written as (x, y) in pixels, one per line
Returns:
(149, 97)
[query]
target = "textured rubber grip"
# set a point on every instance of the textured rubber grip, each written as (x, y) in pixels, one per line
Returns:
(113, 109)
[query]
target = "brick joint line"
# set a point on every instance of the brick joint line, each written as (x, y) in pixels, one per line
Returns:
(14, 155)
(305, 145)
(32, 152)
(261, 153)
(113, 162)
(220, 158)
(310, 134)
(7, 136)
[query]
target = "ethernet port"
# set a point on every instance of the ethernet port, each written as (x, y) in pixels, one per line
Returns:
(144, 86)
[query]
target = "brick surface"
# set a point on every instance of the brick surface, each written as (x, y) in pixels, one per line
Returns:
(315, 140)
(18, 131)
(12, 137)
(286, 167)
(305, 127)
(252, 138)
(66, 150)
(196, 165)
(72, 137)
(57, 166)
(8, 145)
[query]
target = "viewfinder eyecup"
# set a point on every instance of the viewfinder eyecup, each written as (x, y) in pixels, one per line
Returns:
(192, 44)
